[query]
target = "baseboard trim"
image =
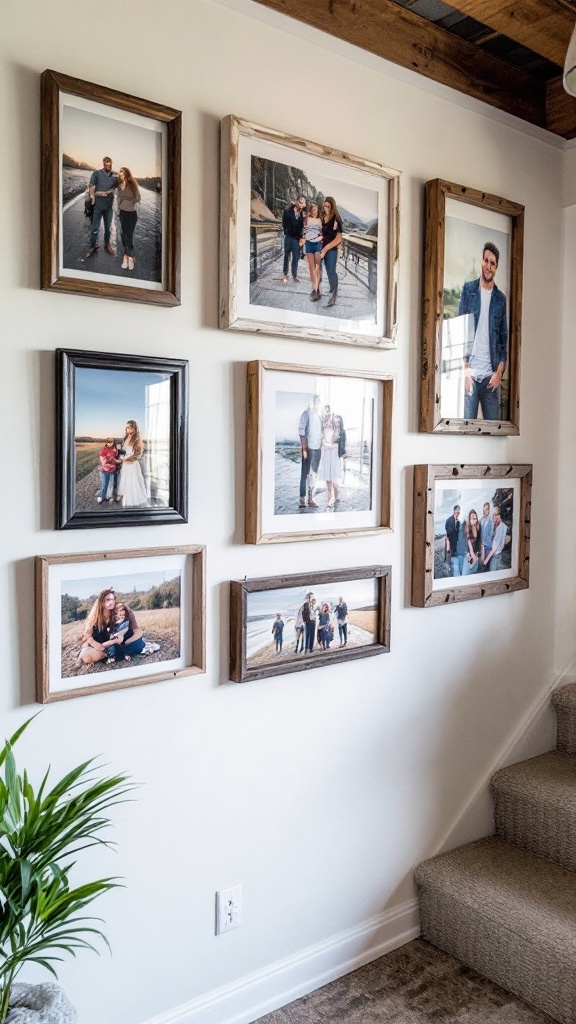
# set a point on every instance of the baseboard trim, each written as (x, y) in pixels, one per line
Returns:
(254, 995)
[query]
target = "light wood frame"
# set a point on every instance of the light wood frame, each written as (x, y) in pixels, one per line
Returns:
(240, 590)
(47, 633)
(53, 86)
(68, 517)
(423, 535)
(255, 442)
(431, 419)
(233, 129)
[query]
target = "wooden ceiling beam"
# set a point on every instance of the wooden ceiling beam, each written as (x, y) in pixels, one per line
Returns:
(560, 110)
(398, 35)
(544, 26)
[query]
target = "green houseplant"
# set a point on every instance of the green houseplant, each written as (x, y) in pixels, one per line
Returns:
(41, 831)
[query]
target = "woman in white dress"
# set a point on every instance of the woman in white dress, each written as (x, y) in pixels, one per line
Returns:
(329, 468)
(131, 484)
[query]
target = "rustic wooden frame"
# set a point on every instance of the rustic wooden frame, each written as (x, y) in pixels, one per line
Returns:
(423, 596)
(240, 589)
(232, 129)
(433, 308)
(255, 441)
(45, 631)
(67, 516)
(52, 276)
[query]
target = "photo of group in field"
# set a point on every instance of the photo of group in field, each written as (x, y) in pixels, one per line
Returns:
(116, 620)
(475, 531)
(122, 438)
(309, 236)
(298, 622)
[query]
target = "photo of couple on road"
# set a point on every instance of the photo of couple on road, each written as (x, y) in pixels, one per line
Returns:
(474, 531)
(121, 463)
(341, 616)
(324, 449)
(313, 241)
(136, 620)
(111, 195)
(475, 326)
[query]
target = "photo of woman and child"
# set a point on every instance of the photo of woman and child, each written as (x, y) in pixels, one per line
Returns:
(120, 471)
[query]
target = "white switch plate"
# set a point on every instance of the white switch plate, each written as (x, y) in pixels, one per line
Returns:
(228, 909)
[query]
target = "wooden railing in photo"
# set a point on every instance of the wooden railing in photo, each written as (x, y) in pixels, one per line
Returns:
(266, 239)
(359, 255)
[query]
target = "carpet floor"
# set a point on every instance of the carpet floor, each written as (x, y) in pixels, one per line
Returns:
(415, 984)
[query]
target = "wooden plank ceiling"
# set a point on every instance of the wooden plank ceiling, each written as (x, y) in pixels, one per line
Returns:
(509, 53)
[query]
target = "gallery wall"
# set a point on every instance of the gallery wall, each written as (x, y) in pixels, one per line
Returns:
(318, 792)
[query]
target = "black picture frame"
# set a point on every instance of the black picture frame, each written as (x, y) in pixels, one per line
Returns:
(174, 507)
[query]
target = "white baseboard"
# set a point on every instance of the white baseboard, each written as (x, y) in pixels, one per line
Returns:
(256, 994)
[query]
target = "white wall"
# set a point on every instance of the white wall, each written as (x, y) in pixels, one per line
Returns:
(319, 791)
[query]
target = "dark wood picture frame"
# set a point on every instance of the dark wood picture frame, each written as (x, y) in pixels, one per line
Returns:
(299, 662)
(256, 446)
(50, 644)
(431, 418)
(425, 538)
(175, 510)
(54, 85)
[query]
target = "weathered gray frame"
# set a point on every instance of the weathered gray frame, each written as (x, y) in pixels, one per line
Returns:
(232, 128)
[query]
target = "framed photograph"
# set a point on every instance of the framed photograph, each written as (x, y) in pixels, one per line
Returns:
(122, 440)
(471, 532)
(318, 452)
(308, 240)
(285, 624)
(111, 183)
(105, 621)
(472, 312)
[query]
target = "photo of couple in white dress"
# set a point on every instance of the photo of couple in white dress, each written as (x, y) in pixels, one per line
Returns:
(121, 463)
(324, 449)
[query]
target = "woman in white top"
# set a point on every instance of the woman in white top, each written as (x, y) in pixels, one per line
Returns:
(313, 246)
(131, 484)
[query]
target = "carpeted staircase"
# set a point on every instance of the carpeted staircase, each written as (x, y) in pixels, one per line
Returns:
(506, 905)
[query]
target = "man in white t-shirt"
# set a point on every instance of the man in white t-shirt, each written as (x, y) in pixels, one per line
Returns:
(485, 362)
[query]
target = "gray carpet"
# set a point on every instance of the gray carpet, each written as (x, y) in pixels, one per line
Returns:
(416, 984)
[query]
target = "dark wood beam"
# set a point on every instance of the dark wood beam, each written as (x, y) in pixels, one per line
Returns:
(541, 25)
(383, 28)
(560, 110)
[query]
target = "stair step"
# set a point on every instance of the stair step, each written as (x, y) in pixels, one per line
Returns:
(535, 806)
(507, 914)
(564, 701)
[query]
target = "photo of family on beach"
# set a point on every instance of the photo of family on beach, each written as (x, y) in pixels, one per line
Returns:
(324, 451)
(475, 528)
(301, 622)
(112, 214)
(122, 451)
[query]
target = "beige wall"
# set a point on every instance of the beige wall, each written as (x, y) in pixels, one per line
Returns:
(319, 791)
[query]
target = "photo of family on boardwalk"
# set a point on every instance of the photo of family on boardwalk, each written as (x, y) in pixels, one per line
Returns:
(121, 461)
(111, 176)
(324, 444)
(313, 242)
(474, 532)
(296, 622)
(114, 628)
